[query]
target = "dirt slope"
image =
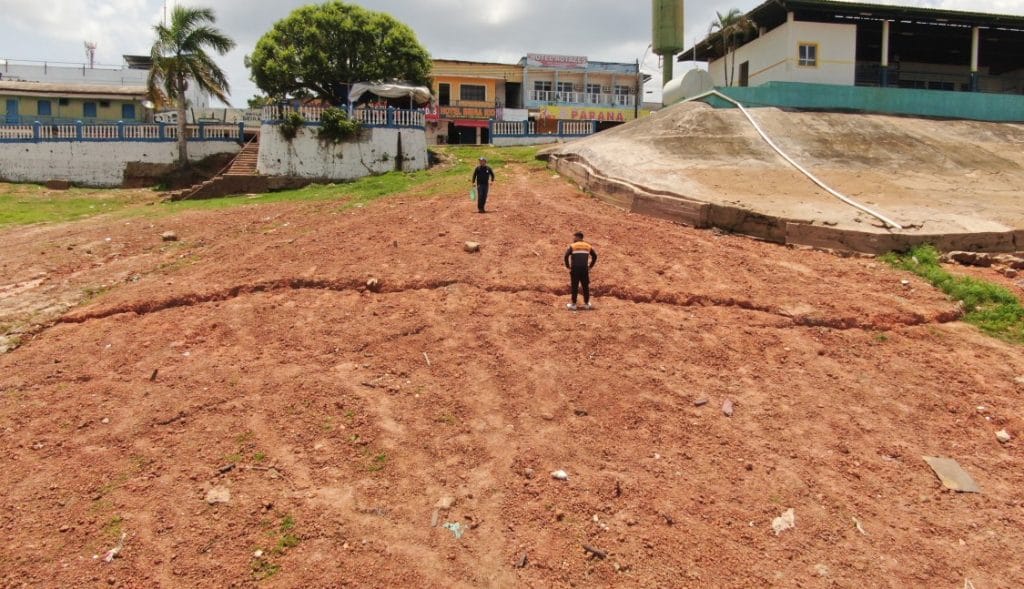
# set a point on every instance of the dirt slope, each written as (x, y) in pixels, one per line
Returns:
(349, 414)
(930, 176)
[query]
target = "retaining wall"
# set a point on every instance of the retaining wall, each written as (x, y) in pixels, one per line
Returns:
(99, 164)
(376, 151)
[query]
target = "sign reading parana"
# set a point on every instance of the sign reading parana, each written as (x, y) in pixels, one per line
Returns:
(575, 62)
(573, 113)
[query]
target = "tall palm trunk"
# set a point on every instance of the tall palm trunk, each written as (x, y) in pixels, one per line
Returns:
(182, 125)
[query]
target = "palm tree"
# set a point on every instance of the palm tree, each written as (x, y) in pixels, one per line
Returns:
(730, 25)
(179, 56)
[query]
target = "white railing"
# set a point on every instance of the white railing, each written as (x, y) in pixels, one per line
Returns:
(117, 132)
(576, 127)
(514, 128)
(16, 132)
(582, 98)
(410, 118)
(372, 116)
(379, 117)
(141, 132)
(54, 132)
(99, 132)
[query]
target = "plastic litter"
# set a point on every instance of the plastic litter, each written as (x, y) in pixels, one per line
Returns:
(784, 522)
(472, 194)
(455, 528)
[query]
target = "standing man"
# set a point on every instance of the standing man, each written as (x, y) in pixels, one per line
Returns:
(579, 259)
(480, 178)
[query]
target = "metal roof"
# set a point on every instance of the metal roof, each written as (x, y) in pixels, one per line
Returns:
(69, 90)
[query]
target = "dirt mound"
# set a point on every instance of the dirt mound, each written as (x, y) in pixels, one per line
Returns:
(934, 178)
(239, 408)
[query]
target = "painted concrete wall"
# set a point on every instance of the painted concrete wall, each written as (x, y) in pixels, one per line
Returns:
(28, 108)
(373, 153)
(775, 56)
(930, 103)
(89, 163)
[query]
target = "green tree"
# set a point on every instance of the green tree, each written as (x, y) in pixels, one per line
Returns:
(179, 58)
(731, 26)
(320, 50)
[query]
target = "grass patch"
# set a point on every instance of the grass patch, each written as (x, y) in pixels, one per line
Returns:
(378, 462)
(991, 308)
(25, 204)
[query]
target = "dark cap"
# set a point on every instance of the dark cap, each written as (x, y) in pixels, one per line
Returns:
(578, 235)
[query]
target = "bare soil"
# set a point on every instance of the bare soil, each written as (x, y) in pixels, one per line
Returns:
(251, 356)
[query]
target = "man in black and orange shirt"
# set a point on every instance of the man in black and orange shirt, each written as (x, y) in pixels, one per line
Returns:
(579, 259)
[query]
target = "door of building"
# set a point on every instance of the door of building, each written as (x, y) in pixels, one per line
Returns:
(745, 74)
(12, 111)
(513, 95)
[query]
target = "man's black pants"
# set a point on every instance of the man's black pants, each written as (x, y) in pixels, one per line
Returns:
(578, 278)
(481, 196)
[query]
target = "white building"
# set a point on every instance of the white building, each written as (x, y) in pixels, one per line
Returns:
(858, 44)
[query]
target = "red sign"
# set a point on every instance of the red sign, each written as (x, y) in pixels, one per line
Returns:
(466, 112)
(574, 62)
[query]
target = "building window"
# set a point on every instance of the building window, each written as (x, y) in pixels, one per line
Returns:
(127, 112)
(444, 94)
(104, 104)
(44, 109)
(541, 86)
(63, 101)
(808, 55)
(472, 92)
(89, 110)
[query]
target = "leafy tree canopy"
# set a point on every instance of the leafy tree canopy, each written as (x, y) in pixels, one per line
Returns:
(319, 50)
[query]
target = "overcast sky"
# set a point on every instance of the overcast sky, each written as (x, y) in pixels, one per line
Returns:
(494, 30)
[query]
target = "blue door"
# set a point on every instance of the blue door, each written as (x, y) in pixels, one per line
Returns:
(127, 112)
(12, 111)
(89, 110)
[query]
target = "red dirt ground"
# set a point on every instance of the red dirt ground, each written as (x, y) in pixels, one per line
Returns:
(348, 414)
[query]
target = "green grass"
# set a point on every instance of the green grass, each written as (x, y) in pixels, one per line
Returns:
(991, 308)
(23, 204)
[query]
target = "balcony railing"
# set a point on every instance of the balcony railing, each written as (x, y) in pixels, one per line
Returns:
(582, 98)
(38, 132)
(373, 117)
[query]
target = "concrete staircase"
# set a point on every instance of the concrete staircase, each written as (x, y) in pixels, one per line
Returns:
(238, 177)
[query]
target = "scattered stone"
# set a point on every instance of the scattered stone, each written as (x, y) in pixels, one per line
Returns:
(226, 468)
(1009, 272)
(105, 420)
(560, 475)
(580, 412)
(471, 247)
(257, 554)
(521, 563)
(952, 475)
(373, 284)
(821, 570)
(273, 473)
(446, 502)
(594, 552)
(784, 522)
(528, 473)
(169, 236)
(218, 495)
(1019, 380)
(700, 402)
(905, 282)
(1003, 436)
(727, 408)
(65, 528)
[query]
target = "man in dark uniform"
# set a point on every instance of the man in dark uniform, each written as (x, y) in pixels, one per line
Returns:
(480, 178)
(579, 259)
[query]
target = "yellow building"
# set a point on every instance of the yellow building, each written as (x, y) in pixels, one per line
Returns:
(470, 94)
(28, 102)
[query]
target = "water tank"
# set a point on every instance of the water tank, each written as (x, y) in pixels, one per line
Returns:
(691, 84)
(667, 38)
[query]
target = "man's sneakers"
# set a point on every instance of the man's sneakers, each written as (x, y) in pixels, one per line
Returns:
(587, 307)
(570, 306)
(573, 307)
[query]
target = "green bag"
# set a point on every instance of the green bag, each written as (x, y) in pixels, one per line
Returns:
(472, 193)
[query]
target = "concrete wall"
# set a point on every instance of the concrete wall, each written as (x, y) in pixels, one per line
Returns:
(89, 163)
(527, 140)
(775, 56)
(375, 152)
(930, 103)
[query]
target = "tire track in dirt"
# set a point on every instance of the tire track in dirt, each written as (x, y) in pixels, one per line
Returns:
(873, 323)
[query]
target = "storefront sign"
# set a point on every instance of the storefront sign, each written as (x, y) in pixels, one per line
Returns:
(570, 113)
(466, 112)
(574, 62)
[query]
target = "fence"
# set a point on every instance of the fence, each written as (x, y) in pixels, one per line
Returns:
(529, 129)
(38, 132)
(370, 117)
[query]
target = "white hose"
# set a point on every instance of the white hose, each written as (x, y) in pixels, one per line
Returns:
(846, 199)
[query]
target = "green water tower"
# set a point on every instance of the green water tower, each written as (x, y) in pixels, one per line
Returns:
(667, 35)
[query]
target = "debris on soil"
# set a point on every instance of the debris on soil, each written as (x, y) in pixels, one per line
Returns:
(471, 246)
(152, 377)
(1003, 436)
(952, 475)
(113, 552)
(521, 562)
(700, 402)
(727, 408)
(169, 236)
(560, 475)
(786, 521)
(860, 528)
(373, 285)
(217, 495)
(595, 553)
(455, 528)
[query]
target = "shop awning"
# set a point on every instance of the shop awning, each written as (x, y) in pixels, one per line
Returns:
(471, 123)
